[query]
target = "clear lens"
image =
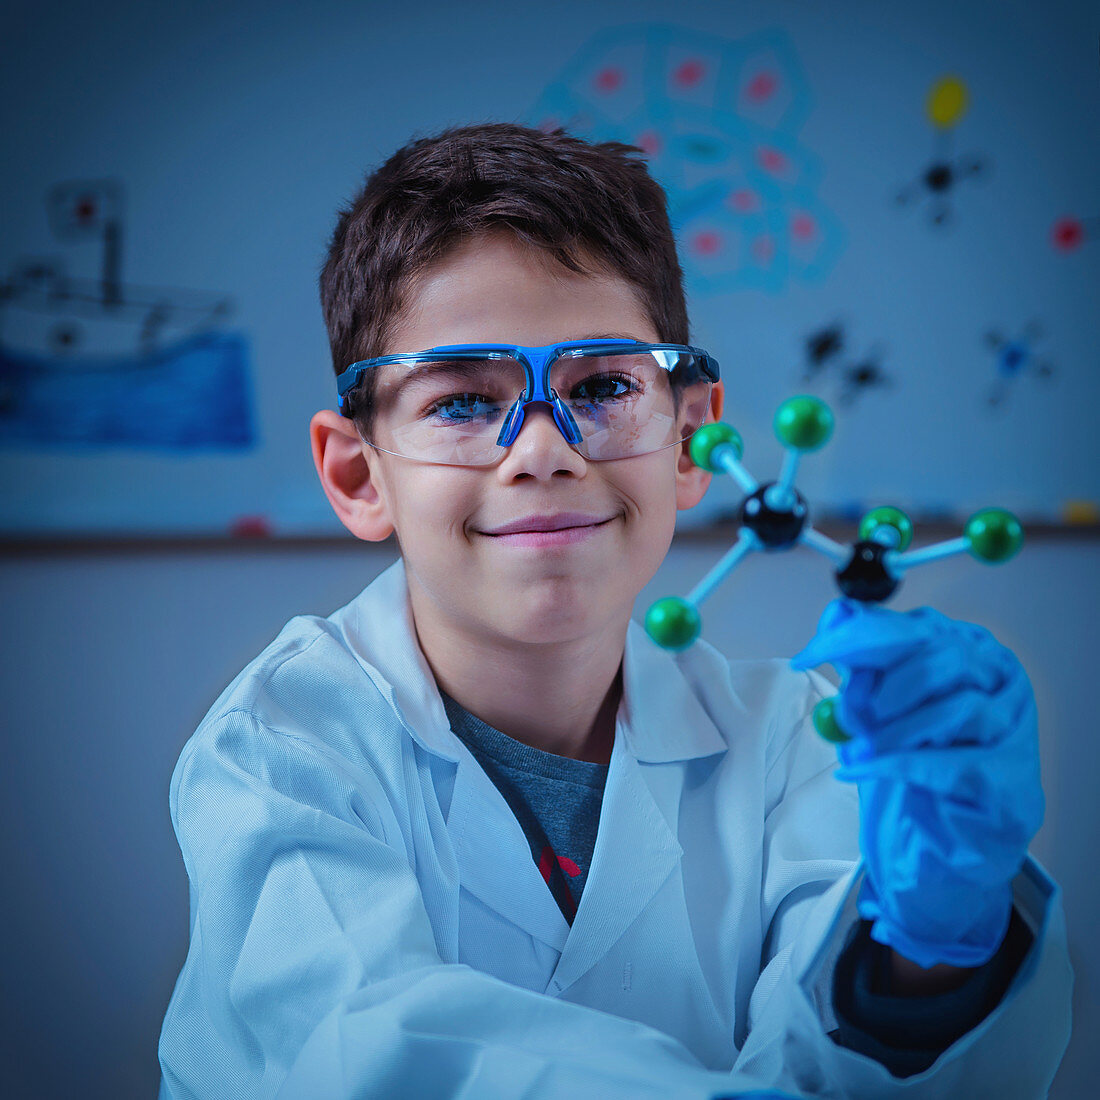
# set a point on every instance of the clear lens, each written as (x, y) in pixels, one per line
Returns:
(623, 404)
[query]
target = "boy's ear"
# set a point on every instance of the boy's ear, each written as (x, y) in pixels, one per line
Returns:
(350, 484)
(717, 401)
(692, 481)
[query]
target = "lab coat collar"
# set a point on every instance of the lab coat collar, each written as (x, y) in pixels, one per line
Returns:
(379, 629)
(660, 716)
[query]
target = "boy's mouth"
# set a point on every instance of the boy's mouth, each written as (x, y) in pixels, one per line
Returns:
(560, 522)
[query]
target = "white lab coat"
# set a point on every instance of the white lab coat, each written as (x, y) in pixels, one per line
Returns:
(367, 920)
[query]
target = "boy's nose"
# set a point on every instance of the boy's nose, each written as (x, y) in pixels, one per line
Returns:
(540, 447)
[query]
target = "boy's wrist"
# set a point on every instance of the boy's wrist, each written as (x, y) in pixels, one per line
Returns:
(905, 978)
(882, 1019)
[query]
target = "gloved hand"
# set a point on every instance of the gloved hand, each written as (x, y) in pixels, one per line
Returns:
(945, 756)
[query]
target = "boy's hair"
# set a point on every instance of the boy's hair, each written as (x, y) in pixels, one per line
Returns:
(582, 203)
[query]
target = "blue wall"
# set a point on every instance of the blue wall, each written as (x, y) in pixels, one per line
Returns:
(237, 129)
(784, 134)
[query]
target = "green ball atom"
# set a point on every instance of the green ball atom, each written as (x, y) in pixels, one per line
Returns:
(710, 436)
(993, 535)
(826, 724)
(673, 623)
(804, 423)
(886, 516)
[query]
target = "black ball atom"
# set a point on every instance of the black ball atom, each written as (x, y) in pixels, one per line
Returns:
(865, 576)
(774, 528)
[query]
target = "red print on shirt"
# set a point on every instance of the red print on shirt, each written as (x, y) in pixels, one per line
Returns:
(546, 862)
(546, 867)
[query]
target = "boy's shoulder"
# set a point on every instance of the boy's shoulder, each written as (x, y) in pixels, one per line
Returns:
(314, 682)
(296, 673)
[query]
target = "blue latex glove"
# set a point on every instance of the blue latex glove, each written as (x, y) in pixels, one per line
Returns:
(945, 755)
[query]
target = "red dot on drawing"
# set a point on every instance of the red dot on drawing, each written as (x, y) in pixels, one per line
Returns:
(649, 142)
(763, 248)
(689, 74)
(85, 210)
(706, 243)
(803, 227)
(250, 527)
(609, 80)
(1067, 234)
(771, 160)
(761, 87)
(743, 200)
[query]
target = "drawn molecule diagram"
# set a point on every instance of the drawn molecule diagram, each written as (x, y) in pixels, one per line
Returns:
(1014, 358)
(824, 359)
(718, 122)
(946, 104)
(1068, 233)
(774, 517)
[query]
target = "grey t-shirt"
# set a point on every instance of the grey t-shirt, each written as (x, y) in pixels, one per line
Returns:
(555, 799)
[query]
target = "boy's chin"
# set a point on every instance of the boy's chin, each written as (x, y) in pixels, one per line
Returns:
(555, 622)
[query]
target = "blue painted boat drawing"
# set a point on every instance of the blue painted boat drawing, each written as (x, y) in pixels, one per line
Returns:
(192, 395)
(97, 363)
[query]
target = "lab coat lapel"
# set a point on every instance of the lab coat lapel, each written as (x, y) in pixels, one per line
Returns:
(494, 857)
(661, 725)
(635, 853)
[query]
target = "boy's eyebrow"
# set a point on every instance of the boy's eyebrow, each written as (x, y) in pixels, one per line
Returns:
(460, 368)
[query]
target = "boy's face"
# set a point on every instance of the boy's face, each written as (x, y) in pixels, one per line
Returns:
(488, 588)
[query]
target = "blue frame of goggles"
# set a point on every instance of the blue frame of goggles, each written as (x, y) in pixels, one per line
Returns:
(536, 363)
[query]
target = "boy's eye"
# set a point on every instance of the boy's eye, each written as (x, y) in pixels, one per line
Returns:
(461, 408)
(604, 387)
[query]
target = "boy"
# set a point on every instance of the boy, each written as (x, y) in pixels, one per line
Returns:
(389, 819)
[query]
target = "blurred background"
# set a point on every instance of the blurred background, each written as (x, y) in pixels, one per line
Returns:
(893, 207)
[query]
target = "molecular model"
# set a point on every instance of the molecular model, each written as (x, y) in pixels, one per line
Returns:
(774, 516)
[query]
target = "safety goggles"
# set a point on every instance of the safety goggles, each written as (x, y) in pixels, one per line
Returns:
(463, 404)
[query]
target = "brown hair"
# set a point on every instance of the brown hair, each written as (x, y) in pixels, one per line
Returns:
(581, 202)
